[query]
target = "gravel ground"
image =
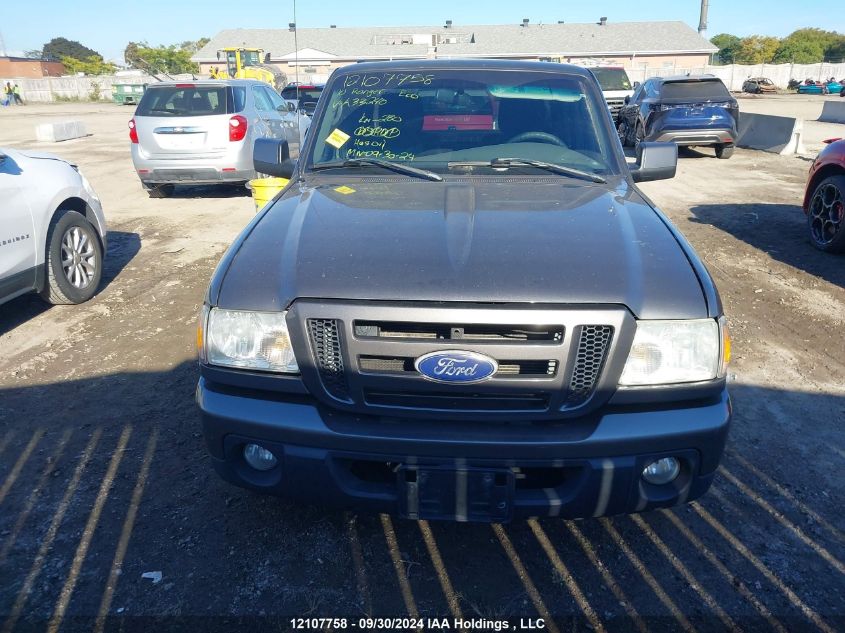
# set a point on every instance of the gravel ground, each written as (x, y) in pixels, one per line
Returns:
(104, 477)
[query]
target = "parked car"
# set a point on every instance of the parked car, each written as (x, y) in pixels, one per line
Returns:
(203, 132)
(462, 307)
(615, 86)
(758, 85)
(811, 87)
(304, 97)
(824, 198)
(52, 229)
(687, 110)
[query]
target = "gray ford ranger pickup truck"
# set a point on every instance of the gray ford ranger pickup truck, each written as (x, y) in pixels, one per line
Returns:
(461, 307)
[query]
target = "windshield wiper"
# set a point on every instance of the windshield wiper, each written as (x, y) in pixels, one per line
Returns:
(397, 167)
(505, 163)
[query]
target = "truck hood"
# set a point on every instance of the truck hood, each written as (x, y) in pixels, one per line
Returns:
(486, 240)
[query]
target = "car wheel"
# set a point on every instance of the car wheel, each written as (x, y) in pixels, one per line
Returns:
(724, 151)
(160, 191)
(74, 260)
(842, 93)
(826, 215)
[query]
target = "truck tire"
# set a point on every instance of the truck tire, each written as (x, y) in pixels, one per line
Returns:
(826, 215)
(74, 260)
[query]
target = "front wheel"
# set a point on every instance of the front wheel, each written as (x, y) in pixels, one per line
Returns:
(724, 151)
(826, 215)
(74, 260)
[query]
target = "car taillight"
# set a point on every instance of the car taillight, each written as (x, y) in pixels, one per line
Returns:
(237, 128)
(133, 133)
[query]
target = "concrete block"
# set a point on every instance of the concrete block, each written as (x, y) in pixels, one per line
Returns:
(61, 131)
(776, 134)
(833, 112)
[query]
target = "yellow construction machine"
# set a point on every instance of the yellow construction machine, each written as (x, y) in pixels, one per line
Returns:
(246, 63)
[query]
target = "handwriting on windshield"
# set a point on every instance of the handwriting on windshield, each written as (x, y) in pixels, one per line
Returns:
(381, 132)
(386, 80)
(386, 154)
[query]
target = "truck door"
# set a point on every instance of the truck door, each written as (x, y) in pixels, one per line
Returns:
(17, 234)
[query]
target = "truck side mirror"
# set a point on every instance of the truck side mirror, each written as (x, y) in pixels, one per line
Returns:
(218, 55)
(272, 157)
(636, 85)
(655, 161)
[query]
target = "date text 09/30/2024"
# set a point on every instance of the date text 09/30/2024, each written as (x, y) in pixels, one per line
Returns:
(419, 624)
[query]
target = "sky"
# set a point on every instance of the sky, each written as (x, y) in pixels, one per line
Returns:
(107, 25)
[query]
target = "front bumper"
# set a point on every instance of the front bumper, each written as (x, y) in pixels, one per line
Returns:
(572, 468)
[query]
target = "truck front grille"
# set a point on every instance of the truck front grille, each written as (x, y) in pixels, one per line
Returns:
(592, 350)
(325, 339)
(392, 365)
(551, 361)
(615, 105)
(463, 332)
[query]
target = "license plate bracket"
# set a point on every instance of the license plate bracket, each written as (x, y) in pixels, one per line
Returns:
(456, 494)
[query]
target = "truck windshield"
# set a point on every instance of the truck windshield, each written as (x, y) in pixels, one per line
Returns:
(431, 119)
(250, 58)
(612, 78)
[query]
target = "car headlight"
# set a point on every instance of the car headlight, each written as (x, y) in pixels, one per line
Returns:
(248, 340)
(671, 352)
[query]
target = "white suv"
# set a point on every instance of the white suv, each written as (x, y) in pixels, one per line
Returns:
(52, 229)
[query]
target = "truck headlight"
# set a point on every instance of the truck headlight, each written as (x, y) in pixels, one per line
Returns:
(670, 352)
(249, 340)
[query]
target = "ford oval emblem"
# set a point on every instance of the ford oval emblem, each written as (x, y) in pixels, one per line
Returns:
(456, 366)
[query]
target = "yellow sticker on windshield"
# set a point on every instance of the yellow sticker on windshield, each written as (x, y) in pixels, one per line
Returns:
(337, 138)
(344, 190)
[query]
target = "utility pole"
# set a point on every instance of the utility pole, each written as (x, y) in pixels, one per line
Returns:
(702, 21)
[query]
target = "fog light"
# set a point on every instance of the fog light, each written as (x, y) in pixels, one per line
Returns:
(662, 471)
(259, 458)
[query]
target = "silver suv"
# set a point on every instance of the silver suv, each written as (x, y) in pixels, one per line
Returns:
(203, 132)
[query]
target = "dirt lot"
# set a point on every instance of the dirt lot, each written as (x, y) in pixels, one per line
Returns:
(103, 474)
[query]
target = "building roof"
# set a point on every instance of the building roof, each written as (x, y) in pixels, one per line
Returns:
(502, 40)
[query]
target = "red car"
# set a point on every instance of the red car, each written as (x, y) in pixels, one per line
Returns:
(824, 198)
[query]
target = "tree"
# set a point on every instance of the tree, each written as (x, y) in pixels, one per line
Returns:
(836, 51)
(92, 65)
(806, 46)
(194, 46)
(60, 47)
(756, 49)
(728, 45)
(163, 59)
